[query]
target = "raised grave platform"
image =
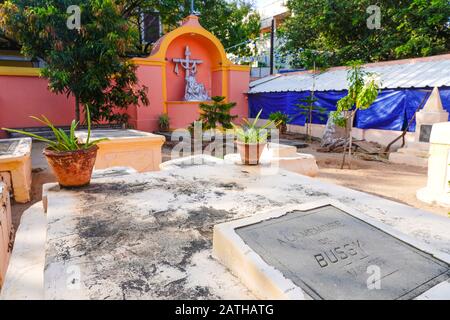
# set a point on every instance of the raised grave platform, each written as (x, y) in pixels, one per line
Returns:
(6, 231)
(150, 235)
(15, 167)
(282, 156)
(127, 148)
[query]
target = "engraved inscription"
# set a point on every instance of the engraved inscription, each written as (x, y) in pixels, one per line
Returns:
(328, 253)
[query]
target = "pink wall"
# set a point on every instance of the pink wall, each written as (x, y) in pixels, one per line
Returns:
(145, 118)
(22, 97)
(238, 82)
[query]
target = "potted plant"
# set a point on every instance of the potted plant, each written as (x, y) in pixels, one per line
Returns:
(252, 139)
(281, 119)
(71, 162)
(164, 122)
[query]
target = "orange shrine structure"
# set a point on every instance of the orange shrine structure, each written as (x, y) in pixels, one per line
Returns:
(188, 54)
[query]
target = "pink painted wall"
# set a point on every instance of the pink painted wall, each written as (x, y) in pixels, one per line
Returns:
(145, 118)
(22, 97)
(238, 82)
(182, 114)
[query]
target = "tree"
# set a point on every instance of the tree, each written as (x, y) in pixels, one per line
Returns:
(86, 61)
(232, 22)
(338, 30)
(363, 88)
(216, 113)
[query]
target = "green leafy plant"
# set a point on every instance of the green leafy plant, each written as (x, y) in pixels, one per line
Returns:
(281, 119)
(164, 122)
(251, 133)
(363, 89)
(308, 109)
(217, 113)
(63, 142)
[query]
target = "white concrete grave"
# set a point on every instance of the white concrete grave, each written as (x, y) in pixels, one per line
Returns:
(282, 156)
(437, 189)
(150, 235)
(416, 153)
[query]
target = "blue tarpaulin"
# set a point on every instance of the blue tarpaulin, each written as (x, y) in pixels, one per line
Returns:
(391, 111)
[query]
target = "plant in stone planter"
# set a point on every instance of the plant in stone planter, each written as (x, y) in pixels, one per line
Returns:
(164, 122)
(281, 119)
(71, 161)
(252, 139)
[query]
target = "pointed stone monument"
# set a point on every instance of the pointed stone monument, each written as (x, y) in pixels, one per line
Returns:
(416, 153)
(437, 190)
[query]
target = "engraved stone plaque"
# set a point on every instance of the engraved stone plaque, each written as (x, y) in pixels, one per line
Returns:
(425, 132)
(331, 254)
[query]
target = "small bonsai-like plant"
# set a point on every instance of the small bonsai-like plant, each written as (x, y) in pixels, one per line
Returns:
(63, 142)
(308, 109)
(164, 122)
(281, 119)
(217, 113)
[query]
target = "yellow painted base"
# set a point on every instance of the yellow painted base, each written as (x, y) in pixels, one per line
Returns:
(141, 153)
(18, 168)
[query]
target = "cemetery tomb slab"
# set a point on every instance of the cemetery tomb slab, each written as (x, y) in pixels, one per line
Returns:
(127, 148)
(330, 254)
(150, 235)
(15, 161)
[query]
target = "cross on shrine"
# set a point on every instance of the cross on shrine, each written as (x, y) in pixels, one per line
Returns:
(188, 64)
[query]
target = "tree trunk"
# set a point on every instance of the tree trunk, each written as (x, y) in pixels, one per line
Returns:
(77, 109)
(350, 141)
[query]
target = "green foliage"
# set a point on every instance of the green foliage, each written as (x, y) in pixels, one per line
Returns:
(251, 133)
(336, 30)
(164, 122)
(363, 89)
(308, 109)
(233, 22)
(88, 63)
(63, 142)
(216, 113)
(279, 117)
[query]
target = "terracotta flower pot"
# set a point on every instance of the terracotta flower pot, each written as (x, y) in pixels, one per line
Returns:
(72, 168)
(250, 152)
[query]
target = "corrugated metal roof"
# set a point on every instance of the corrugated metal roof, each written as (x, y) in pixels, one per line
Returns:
(413, 73)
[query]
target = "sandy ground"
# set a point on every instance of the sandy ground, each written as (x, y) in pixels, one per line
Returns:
(391, 181)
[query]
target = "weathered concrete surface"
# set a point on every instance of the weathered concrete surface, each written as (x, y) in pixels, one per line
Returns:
(25, 277)
(15, 159)
(149, 235)
(131, 148)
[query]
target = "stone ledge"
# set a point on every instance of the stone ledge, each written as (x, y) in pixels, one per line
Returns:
(25, 276)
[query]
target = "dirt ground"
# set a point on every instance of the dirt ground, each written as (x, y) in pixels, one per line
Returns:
(390, 181)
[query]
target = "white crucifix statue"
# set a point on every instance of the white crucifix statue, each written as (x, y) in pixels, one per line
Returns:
(194, 91)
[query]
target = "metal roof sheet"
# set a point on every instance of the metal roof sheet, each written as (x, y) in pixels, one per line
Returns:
(414, 73)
